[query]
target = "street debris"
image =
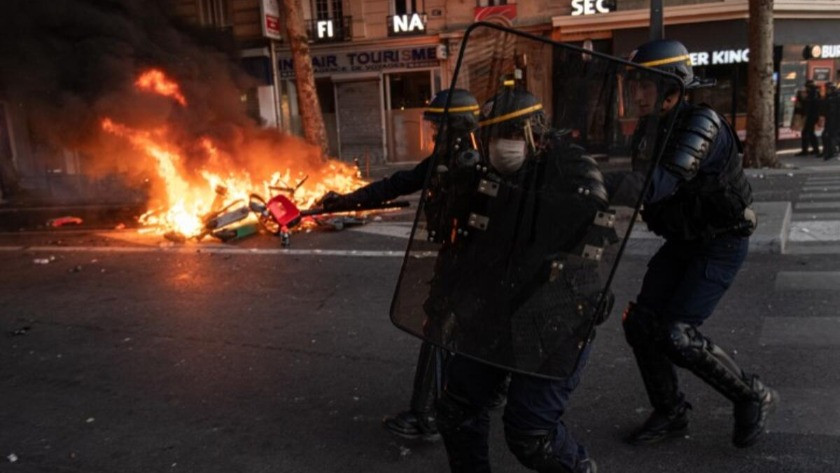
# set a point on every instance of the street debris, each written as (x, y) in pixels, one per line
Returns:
(61, 221)
(21, 331)
(44, 260)
(75, 269)
(236, 233)
(175, 237)
(120, 226)
(12, 457)
(278, 216)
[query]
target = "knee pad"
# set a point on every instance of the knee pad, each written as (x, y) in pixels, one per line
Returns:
(685, 345)
(452, 412)
(535, 450)
(640, 325)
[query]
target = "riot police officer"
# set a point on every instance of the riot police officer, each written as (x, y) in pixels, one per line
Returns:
(699, 202)
(832, 121)
(811, 109)
(495, 279)
(419, 420)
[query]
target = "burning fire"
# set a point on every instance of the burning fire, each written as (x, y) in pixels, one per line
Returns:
(190, 196)
(154, 80)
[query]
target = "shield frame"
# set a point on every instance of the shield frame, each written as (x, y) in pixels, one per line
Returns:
(636, 209)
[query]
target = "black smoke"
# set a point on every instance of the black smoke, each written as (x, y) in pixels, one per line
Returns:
(69, 64)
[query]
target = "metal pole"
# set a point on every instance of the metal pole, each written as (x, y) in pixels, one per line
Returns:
(657, 29)
(275, 69)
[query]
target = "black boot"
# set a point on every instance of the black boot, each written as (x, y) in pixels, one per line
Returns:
(411, 425)
(752, 400)
(419, 420)
(662, 425)
(644, 331)
(586, 466)
(751, 416)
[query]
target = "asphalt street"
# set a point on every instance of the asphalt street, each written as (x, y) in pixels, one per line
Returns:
(127, 353)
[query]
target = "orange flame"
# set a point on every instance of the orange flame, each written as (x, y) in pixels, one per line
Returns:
(187, 202)
(189, 197)
(154, 80)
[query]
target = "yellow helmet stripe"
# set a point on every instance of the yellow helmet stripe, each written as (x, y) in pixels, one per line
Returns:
(511, 115)
(667, 60)
(467, 108)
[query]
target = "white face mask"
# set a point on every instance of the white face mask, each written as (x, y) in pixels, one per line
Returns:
(507, 156)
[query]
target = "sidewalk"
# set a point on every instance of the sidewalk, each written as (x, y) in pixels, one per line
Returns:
(797, 164)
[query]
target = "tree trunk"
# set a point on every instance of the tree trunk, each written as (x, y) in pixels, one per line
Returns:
(310, 110)
(761, 119)
(9, 177)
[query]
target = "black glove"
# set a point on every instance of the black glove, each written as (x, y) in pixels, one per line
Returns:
(334, 201)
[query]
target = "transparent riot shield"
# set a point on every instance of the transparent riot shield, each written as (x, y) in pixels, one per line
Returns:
(523, 220)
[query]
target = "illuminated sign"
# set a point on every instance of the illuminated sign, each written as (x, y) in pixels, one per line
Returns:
(724, 56)
(413, 23)
(826, 51)
(591, 7)
(324, 29)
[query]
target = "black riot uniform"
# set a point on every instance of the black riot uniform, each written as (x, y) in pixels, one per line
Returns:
(811, 109)
(455, 143)
(699, 201)
(832, 121)
(504, 288)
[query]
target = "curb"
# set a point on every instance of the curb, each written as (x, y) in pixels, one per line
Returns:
(769, 238)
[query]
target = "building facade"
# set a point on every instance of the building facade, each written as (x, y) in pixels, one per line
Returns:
(806, 46)
(377, 62)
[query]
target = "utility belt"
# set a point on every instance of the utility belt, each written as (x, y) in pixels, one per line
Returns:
(744, 228)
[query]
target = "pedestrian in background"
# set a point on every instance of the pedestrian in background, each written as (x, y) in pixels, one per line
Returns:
(811, 110)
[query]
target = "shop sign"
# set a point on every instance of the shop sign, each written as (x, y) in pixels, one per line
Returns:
(591, 7)
(821, 74)
(724, 56)
(366, 61)
(324, 29)
(825, 51)
(270, 19)
(408, 23)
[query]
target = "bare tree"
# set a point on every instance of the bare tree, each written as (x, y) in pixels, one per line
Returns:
(310, 109)
(761, 123)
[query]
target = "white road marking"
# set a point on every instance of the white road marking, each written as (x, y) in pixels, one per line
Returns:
(815, 230)
(216, 249)
(799, 331)
(816, 205)
(807, 280)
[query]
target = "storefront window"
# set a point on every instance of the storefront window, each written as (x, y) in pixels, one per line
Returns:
(402, 7)
(407, 94)
(792, 77)
(729, 94)
(326, 98)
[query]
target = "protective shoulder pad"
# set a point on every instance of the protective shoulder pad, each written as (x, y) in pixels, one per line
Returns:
(691, 142)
